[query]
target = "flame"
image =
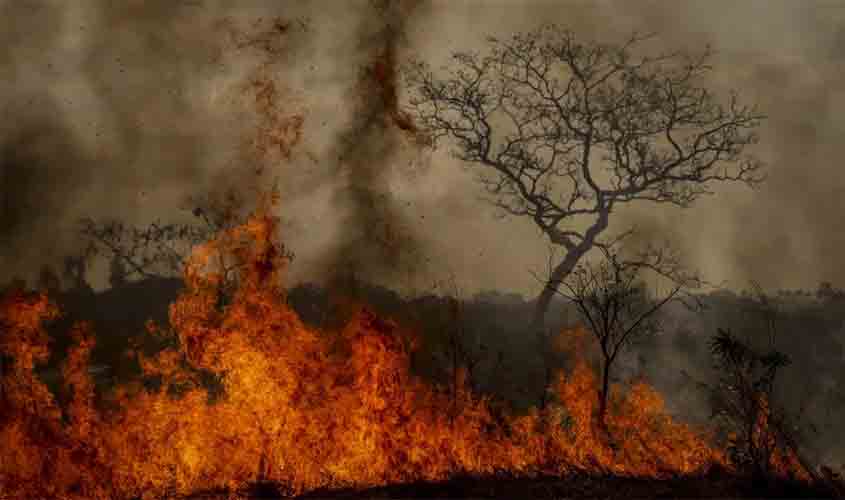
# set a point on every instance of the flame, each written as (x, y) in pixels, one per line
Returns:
(305, 409)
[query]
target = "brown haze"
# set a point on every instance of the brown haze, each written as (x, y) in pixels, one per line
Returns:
(122, 109)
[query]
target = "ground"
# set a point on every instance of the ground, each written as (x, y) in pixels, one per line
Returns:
(714, 485)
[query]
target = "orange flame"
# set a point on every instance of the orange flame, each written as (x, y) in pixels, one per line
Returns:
(303, 408)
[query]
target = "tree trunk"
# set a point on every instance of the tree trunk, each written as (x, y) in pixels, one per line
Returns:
(562, 270)
(603, 395)
(558, 274)
(541, 308)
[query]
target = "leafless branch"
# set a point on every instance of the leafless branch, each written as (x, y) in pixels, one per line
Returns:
(564, 132)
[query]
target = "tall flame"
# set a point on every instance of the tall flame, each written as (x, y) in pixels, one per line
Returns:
(302, 408)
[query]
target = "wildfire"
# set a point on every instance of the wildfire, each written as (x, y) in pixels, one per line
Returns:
(302, 408)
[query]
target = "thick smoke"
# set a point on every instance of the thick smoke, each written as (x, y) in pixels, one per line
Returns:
(377, 240)
(125, 109)
(785, 56)
(781, 55)
(102, 118)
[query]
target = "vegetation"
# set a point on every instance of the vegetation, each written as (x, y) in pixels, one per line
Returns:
(617, 307)
(566, 132)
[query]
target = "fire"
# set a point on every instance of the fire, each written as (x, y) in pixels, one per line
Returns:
(302, 408)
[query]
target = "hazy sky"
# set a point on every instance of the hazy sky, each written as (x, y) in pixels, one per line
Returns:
(123, 109)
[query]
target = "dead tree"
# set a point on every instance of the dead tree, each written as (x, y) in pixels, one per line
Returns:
(619, 308)
(160, 249)
(565, 132)
(140, 252)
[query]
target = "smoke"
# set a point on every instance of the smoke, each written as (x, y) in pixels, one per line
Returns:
(101, 118)
(781, 55)
(377, 240)
(126, 109)
(786, 57)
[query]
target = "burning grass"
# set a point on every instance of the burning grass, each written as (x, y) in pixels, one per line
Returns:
(300, 408)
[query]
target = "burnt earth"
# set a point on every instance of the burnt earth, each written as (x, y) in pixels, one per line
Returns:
(713, 485)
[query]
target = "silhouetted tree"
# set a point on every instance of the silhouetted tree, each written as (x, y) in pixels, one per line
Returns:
(155, 250)
(746, 389)
(75, 272)
(162, 249)
(564, 132)
(618, 308)
(762, 432)
(117, 272)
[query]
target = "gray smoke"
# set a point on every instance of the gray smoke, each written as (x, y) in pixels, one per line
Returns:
(125, 109)
(785, 56)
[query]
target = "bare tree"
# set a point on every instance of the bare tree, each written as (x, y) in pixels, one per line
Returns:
(564, 132)
(161, 249)
(154, 250)
(617, 306)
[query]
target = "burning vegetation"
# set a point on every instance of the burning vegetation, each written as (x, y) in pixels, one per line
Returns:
(246, 393)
